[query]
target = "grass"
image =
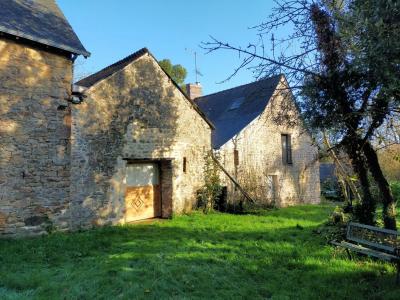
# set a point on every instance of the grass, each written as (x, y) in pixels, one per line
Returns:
(269, 255)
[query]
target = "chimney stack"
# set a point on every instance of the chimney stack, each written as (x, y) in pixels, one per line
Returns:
(194, 90)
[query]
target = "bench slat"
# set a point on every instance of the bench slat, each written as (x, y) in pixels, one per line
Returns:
(373, 228)
(355, 232)
(371, 244)
(366, 251)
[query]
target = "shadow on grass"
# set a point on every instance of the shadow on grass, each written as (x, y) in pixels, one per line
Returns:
(301, 212)
(217, 256)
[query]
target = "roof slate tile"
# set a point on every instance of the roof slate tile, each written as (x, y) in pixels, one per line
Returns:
(40, 21)
(229, 115)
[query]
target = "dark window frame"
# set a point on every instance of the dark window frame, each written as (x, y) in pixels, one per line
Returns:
(286, 144)
(184, 166)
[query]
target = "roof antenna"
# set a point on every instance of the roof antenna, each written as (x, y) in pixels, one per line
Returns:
(196, 70)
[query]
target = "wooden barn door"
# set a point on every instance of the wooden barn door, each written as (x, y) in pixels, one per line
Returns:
(142, 196)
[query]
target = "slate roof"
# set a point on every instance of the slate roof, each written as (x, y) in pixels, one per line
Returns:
(232, 110)
(40, 21)
(119, 65)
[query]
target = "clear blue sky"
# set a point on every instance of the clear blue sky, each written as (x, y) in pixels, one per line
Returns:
(113, 29)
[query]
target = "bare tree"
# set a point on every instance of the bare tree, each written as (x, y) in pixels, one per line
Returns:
(329, 55)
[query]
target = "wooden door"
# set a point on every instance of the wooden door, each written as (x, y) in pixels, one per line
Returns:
(142, 196)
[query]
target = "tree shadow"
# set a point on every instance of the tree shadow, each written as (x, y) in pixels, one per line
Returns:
(177, 260)
(34, 136)
(135, 114)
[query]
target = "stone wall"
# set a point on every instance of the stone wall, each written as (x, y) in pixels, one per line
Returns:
(260, 157)
(135, 114)
(34, 138)
(54, 176)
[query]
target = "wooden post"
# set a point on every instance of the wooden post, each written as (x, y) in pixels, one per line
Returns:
(245, 194)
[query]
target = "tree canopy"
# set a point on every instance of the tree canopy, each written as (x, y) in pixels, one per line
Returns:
(177, 72)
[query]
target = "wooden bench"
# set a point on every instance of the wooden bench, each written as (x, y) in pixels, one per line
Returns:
(372, 241)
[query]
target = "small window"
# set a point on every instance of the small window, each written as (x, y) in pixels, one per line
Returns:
(184, 164)
(236, 103)
(236, 157)
(286, 149)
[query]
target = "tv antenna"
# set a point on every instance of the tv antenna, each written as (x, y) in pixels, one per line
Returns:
(196, 70)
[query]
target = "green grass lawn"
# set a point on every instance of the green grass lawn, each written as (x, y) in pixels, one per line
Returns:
(270, 255)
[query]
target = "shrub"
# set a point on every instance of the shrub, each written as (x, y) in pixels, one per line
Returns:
(212, 189)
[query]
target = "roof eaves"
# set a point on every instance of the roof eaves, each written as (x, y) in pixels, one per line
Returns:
(128, 60)
(221, 144)
(44, 41)
(92, 80)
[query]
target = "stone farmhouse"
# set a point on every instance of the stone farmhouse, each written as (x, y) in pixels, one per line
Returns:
(138, 144)
(125, 143)
(261, 141)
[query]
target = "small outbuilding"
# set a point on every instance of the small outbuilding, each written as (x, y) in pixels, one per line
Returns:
(138, 145)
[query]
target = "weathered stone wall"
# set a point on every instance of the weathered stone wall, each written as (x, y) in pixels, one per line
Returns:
(260, 155)
(52, 177)
(34, 138)
(136, 113)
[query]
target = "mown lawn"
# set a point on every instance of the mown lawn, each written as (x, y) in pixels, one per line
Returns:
(271, 255)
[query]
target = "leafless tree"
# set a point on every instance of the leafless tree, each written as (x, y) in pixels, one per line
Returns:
(309, 41)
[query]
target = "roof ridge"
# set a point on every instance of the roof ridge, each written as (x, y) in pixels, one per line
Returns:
(238, 86)
(119, 65)
(126, 60)
(134, 55)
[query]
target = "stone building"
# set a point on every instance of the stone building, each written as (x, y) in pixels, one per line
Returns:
(37, 50)
(132, 149)
(261, 141)
(125, 143)
(138, 145)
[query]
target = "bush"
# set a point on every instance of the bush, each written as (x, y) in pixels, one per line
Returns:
(335, 227)
(209, 194)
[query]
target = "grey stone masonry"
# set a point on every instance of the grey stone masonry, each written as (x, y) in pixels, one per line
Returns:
(34, 139)
(135, 114)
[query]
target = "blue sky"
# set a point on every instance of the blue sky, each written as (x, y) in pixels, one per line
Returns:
(113, 29)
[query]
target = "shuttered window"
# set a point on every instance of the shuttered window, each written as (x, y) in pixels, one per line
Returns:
(286, 140)
(236, 157)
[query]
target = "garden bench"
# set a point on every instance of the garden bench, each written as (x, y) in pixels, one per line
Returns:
(372, 241)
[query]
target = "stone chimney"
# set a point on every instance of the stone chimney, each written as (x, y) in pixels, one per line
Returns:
(194, 90)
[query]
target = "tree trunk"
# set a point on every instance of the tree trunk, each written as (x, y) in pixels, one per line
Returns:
(367, 208)
(389, 209)
(365, 212)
